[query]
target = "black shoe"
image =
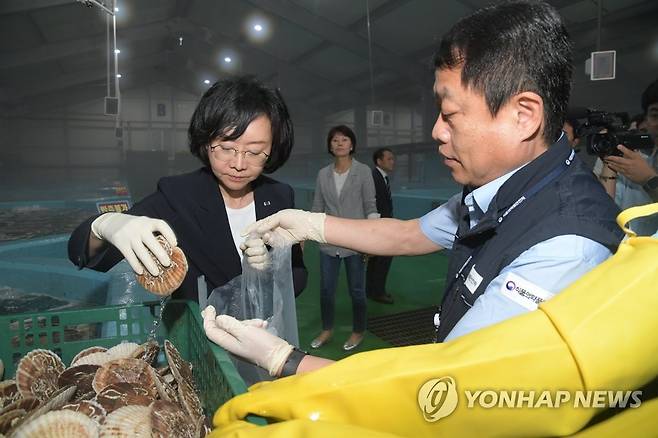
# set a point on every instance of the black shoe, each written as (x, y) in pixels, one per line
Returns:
(384, 299)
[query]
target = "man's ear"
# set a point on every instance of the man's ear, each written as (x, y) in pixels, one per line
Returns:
(528, 112)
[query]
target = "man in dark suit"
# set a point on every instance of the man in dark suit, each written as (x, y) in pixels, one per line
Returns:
(378, 266)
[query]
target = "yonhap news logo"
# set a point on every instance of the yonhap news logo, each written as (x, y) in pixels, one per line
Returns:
(438, 398)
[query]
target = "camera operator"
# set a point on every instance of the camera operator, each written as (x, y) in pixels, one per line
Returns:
(571, 128)
(632, 179)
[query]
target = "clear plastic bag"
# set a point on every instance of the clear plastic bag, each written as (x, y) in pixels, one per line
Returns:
(266, 294)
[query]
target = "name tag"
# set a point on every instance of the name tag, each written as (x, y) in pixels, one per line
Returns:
(524, 292)
(473, 280)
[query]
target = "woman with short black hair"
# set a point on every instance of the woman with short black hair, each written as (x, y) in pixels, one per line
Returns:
(240, 130)
(344, 188)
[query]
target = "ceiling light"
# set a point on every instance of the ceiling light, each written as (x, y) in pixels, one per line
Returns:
(227, 59)
(119, 75)
(117, 51)
(257, 28)
(206, 82)
(116, 9)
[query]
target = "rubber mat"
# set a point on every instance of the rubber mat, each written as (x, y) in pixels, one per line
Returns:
(413, 327)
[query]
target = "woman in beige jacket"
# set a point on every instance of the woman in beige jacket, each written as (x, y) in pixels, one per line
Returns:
(346, 189)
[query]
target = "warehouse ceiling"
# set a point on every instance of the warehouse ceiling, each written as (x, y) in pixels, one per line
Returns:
(54, 52)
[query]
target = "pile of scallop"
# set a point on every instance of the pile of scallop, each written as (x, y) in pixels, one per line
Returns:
(115, 392)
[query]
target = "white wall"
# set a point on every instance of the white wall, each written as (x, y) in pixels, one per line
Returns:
(82, 135)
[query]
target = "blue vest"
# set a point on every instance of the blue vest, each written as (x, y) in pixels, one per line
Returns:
(553, 195)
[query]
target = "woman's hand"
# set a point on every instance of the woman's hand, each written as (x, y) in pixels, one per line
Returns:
(133, 236)
(255, 251)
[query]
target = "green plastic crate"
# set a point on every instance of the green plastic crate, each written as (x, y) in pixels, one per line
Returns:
(67, 332)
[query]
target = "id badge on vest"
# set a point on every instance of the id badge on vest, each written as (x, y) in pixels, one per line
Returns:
(473, 280)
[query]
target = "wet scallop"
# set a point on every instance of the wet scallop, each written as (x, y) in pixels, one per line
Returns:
(57, 400)
(165, 390)
(37, 374)
(127, 422)
(148, 351)
(125, 350)
(90, 408)
(180, 368)
(189, 400)
(99, 358)
(118, 395)
(9, 419)
(59, 424)
(134, 371)
(167, 420)
(87, 352)
(8, 393)
(169, 278)
(81, 376)
(26, 404)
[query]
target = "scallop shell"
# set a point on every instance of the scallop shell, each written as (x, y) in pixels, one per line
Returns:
(189, 400)
(167, 420)
(171, 277)
(98, 358)
(81, 376)
(90, 408)
(10, 418)
(165, 390)
(37, 373)
(59, 424)
(127, 422)
(123, 394)
(87, 352)
(148, 351)
(58, 399)
(134, 371)
(87, 396)
(24, 403)
(8, 393)
(202, 427)
(180, 368)
(125, 350)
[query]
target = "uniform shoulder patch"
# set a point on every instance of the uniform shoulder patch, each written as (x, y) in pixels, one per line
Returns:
(524, 292)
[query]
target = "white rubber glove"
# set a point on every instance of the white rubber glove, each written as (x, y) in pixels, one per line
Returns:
(133, 236)
(247, 339)
(289, 227)
(256, 252)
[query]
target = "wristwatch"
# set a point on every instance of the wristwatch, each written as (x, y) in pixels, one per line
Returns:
(651, 184)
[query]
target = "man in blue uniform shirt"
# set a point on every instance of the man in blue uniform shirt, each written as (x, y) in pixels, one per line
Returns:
(531, 218)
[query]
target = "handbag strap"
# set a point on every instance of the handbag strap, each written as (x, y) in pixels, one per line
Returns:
(633, 213)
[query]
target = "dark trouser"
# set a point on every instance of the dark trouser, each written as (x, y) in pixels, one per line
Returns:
(376, 275)
(329, 269)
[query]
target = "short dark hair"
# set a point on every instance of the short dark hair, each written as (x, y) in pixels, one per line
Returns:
(346, 131)
(510, 48)
(575, 126)
(232, 104)
(650, 96)
(379, 154)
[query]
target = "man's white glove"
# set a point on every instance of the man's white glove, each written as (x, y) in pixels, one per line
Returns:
(132, 235)
(247, 339)
(256, 252)
(289, 227)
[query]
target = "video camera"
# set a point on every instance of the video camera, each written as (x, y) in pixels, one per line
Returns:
(603, 131)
